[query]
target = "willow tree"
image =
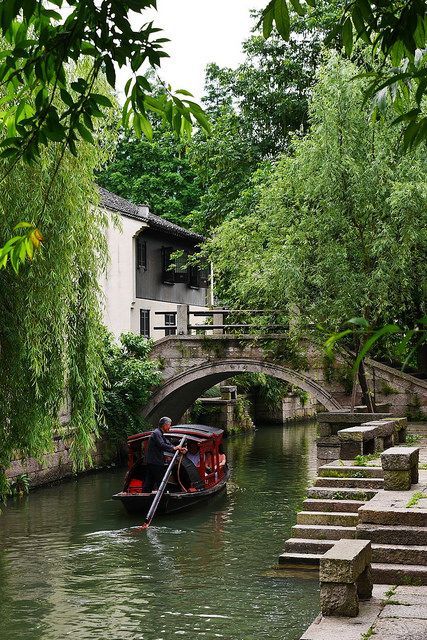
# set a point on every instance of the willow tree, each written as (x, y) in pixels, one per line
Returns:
(49, 315)
(340, 226)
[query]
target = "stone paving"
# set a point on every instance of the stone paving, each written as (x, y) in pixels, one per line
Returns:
(393, 613)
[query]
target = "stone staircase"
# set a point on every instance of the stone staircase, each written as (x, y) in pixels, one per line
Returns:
(347, 501)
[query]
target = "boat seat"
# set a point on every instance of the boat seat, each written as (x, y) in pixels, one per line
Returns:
(135, 486)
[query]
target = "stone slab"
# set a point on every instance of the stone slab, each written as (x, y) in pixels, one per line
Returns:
(348, 628)
(392, 534)
(405, 611)
(376, 513)
(345, 561)
(399, 458)
(357, 433)
(345, 417)
(400, 629)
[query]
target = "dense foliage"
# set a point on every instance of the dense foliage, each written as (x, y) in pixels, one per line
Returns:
(255, 109)
(49, 316)
(45, 105)
(130, 377)
(340, 227)
(158, 173)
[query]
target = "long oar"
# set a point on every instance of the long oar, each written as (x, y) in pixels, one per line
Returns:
(160, 490)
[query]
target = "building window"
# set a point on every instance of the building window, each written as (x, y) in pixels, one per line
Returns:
(167, 270)
(144, 322)
(193, 280)
(198, 277)
(141, 253)
(170, 321)
(181, 268)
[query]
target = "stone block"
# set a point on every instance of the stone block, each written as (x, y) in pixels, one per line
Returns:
(399, 458)
(360, 433)
(339, 599)
(324, 430)
(345, 561)
(350, 449)
(397, 480)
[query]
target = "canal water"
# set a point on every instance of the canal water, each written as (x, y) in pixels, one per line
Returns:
(73, 565)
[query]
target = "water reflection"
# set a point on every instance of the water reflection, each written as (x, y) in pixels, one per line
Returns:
(72, 563)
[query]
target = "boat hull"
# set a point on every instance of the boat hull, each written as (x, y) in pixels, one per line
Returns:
(170, 502)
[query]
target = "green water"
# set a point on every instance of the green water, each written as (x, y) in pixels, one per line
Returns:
(71, 564)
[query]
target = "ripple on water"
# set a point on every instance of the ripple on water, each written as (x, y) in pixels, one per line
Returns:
(73, 563)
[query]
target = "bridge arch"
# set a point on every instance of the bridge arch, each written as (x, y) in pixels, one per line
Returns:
(179, 392)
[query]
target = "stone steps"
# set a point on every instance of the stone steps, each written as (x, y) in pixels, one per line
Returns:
(300, 559)
(318, 504)
(407, 517)
(334, 518)
(399, 554)
(381, 553)
(323, 532)
(346, 471)
(307, 545)
(392, 534)
(352, 483)
(406, 574)
(337, 493)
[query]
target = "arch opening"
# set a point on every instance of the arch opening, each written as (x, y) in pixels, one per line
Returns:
(182, 390)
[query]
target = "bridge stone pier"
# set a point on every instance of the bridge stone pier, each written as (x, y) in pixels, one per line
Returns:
(194, 363)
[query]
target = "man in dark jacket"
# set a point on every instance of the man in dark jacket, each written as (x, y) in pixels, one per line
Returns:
(158, 445)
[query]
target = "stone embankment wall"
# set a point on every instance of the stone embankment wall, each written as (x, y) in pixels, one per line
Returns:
(55, 465)
(292, 408)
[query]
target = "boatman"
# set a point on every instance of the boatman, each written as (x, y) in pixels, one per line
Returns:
(158, 445)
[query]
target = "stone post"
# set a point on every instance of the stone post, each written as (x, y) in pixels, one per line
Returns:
(400, 467)
(182, 319)
(218, 318)
(345, 577)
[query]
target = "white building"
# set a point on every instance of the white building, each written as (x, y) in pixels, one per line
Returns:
(141, 278)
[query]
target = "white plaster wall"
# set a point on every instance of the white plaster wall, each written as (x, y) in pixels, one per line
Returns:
(118, 282)
(120, 306)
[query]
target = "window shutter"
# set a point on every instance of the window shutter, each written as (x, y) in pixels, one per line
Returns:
(167, 271)
(204, 278)
(141, 253)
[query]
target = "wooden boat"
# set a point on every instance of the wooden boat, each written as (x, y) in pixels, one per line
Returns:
(196, 477)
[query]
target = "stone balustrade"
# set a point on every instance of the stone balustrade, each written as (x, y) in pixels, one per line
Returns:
(370, 437)
(345, 577)
(400, 468)
(357, 441)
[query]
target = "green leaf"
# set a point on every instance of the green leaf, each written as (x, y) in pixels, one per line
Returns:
(359, 322)
(85, 133)
(267, 20)
(347, 36)
(23, 225)
(333, 339)
(388, 329)
(281, 18)
(101, 99)
(298, 7)
(146, 127)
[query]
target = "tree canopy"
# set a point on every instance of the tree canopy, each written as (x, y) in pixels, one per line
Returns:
(339, 227)
(158, 173)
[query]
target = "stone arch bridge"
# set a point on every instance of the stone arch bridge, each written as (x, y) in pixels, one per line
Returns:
(194, 363)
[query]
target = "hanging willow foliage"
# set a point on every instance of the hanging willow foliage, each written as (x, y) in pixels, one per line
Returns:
(50, 318)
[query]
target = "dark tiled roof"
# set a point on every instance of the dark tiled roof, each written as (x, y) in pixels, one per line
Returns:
(126, 208)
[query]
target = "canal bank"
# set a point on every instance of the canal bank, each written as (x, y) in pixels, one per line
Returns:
(381, 535)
